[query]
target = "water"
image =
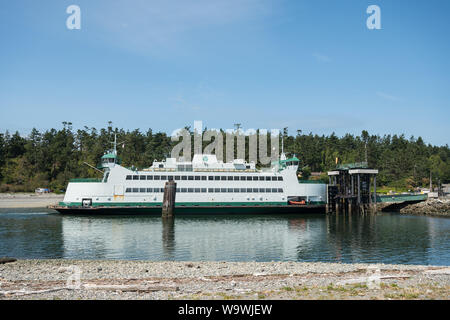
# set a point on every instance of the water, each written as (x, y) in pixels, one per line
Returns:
(384, 238)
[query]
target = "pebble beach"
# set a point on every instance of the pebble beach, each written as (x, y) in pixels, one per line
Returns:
(115, 279)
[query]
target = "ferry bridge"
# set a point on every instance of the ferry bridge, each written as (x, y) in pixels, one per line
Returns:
(349, 190)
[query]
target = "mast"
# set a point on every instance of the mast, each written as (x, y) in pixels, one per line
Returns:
(115, 144)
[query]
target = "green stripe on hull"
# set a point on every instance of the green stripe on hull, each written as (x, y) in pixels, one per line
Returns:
(177, 204)
(182, 211)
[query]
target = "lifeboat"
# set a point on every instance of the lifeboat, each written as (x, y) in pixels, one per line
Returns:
(297, 202)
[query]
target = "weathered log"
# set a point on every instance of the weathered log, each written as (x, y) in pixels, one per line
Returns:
(7, 260)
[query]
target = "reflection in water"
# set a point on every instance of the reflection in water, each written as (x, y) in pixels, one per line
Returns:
(168, 238)
(385, 238)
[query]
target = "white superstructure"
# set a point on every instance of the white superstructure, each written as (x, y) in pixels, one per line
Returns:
(204, 180)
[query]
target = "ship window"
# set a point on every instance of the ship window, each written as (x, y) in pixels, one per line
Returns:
(197, 189)
(149, 190)
(247, 167)
(230, 178)
(170, 178)
(243, 190)
(267, 178)
(223, 178)
(162, 189)
(236, 190)
(142, 178)
(135, 190)
(268, 190)
(135, 177)
(289, 163)
(183, 190)
(177, 189)
(190, 177)
(161, 166)
(249, 178)
(280, 190)
(242, 178)
(262, 190)
(129, 177)
(255, 189)
(128, 190)
(142, 190)
(216, 190)
(210, 178)
(211, 190)
(280, 178)
(274, 190)
(274, 178)
(217, 178)
(223, 189)
(106, 177)
(155, 189)
(197, 177)
(249, 190)
(236, 178)
(149, 177)
(156, 177)
(295, 163)
(183, 177)
(255, 178)
(190, 189)
(230, 190)
(203, 177)
(189, 167)
(177, 178)
(163, 177)
(204, 190)
(180, 167)
(261, 178)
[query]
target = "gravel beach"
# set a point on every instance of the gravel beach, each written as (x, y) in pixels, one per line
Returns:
(28, 200)
(113, 279)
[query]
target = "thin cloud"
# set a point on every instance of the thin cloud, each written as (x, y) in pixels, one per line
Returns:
(388, 96)
(321, 58)
(144, 25)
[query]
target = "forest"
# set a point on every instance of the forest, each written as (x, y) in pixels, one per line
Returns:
(49, 159)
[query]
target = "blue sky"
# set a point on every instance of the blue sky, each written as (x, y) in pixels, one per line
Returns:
(309, 65)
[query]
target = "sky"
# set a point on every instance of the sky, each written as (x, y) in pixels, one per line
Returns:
(162, 64)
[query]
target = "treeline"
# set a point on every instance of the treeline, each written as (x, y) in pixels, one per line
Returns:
(53, 157)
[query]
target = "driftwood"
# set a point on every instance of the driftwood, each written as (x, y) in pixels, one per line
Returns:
(129, 288)
(107, 287)
(7, 260)
(25, 292)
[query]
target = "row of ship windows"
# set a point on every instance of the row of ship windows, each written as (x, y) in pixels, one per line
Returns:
(209, 190)
(211, 178)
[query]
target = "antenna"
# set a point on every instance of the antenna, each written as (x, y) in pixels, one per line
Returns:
(115, 144)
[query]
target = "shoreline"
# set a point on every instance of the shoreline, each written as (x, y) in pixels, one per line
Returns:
(28, 200)
(167, 280)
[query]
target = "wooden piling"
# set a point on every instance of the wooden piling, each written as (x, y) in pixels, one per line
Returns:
(168, 206)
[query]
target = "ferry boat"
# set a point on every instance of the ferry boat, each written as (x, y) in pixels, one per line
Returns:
(203, 185)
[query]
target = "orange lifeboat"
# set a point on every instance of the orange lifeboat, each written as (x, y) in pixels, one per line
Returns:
(297, 202)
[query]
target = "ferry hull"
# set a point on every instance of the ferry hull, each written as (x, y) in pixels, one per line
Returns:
(190, 210)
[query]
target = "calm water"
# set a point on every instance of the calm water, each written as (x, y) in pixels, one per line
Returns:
(386, 238)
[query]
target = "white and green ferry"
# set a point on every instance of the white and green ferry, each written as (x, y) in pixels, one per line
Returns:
(203, 185)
